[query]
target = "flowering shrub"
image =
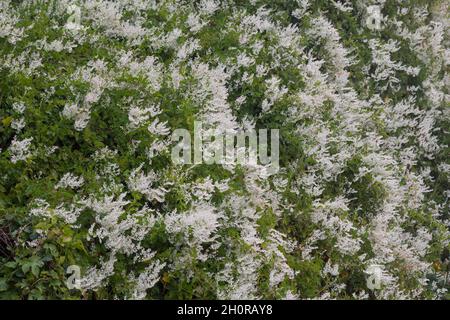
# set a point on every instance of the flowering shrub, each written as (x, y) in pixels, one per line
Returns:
(90, 91)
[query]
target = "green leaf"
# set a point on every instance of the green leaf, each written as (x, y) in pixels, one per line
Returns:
(3, 284)
(34, 264)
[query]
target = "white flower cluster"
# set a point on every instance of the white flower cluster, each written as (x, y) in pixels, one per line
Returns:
(20, 149)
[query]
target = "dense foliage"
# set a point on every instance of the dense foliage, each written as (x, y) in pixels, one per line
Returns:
(88, 102)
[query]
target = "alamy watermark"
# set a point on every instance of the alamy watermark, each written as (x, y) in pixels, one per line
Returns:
(375, 273)
(73, 280)
(73, 23)
(374, 17)
(215, 146)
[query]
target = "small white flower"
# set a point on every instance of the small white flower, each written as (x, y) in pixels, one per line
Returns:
(70, 181)
(20, 149)
(158, 128)
(18, 125)
(19, 107)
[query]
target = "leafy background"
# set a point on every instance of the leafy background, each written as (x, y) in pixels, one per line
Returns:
(364, 134)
